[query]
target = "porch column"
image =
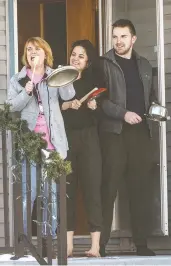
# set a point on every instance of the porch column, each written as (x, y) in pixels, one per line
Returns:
(161, 86)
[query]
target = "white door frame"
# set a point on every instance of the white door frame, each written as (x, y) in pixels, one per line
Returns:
(162, 136)
(11, 11)
(105, 25)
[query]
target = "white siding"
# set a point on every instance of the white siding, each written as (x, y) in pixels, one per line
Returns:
(3, 53)
(3, 88)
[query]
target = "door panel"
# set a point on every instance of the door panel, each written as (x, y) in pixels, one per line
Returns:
(28, 24)
(55, 31)
(80, 20)
(80, 24)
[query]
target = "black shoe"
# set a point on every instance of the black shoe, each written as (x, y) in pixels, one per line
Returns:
(144, 251)
(102, 251)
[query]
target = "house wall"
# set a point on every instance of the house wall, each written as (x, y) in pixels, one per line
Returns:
(3, 89)
(3, 52)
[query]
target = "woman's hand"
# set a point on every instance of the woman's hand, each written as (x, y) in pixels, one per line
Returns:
(92, 104)
(29, 87)
(75, 104)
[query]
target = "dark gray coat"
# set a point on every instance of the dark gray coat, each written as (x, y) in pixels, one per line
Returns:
(114, 106)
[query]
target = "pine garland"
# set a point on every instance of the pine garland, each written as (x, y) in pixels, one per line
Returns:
(29, 144)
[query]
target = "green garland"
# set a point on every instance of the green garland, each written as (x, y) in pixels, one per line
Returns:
(29, 144)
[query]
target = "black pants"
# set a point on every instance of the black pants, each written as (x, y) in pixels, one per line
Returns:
(127, 155)
(85, 156)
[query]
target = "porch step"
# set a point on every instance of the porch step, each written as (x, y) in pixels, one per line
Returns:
(116, 246)
(120, 245)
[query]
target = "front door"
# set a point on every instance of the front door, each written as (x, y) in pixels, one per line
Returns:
(59, 23)
(29, 25)
(80, 21)
(80, 17)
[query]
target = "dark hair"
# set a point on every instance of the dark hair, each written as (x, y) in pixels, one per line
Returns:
(125, 23)
(92, 72)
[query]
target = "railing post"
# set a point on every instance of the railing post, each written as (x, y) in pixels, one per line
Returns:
(5, 188)
(49, 221)
(28, 196)
(17, 199)
(62, 224)
(39, 209)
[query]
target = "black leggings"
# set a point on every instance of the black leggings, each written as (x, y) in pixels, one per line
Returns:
(85, 156)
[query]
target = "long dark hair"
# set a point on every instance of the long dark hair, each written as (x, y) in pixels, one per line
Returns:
(93, 72)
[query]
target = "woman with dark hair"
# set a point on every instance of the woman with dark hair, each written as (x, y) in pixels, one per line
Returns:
(84, 150)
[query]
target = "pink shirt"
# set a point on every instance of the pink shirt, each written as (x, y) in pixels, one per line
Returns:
(41, 125)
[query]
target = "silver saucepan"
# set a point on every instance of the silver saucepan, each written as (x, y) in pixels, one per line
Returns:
(62, 76)
(158, 113)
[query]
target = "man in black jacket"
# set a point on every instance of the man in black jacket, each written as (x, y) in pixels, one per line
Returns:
(125, 134)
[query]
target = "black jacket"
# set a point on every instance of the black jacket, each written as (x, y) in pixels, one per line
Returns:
(114, 106)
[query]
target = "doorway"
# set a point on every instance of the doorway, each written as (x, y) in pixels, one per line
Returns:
(48, 20)
(56, 21)
(55, 31)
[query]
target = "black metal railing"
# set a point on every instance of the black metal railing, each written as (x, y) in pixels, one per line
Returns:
(23, 241)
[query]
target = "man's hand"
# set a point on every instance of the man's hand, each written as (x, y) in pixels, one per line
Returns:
(132, 118)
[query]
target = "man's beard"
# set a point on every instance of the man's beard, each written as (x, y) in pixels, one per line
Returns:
(122, 51)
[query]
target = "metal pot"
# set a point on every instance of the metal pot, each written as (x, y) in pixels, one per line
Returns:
(158, 113)
(62, 76)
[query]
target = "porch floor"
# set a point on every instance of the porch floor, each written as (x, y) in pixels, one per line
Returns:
(114, 260)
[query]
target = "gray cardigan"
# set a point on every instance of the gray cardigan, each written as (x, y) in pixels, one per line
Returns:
(21, 102)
